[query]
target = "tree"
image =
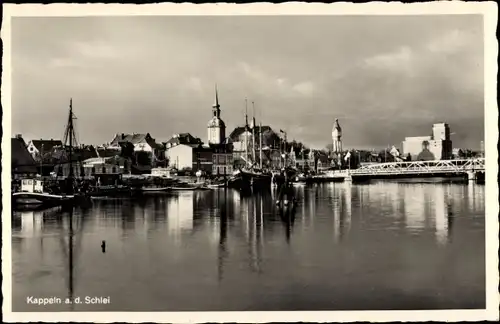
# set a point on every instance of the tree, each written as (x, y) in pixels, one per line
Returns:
(143, 158)
(127, 150)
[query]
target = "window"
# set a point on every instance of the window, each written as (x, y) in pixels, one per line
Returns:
(114, 169)
(93, 169)
(103, 169)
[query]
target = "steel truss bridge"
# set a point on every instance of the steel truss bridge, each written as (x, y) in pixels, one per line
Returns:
(457, 167)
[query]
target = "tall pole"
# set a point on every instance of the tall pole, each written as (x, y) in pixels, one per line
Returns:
(260, 145)
(253, 132)
(70, 243)
(285, 150)
(41, 162)
(70, 130)
(246, 129)
(70, 126)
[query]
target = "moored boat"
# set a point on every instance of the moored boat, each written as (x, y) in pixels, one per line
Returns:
(154, 189)
(110, 191)
(216, 185)
(32, 194)
(244, 178)
(189, 186)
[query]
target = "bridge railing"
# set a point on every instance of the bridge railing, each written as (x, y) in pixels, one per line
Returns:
(436, 166)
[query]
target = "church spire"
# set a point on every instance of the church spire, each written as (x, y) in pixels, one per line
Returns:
(246, 113)
(216, 103)
(216, 106)
(253, 124)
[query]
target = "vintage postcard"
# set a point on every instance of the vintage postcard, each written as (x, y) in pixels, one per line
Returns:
(250, 163)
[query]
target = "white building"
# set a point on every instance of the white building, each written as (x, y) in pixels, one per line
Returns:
(180, 156)
(413, 145)
(438, 146)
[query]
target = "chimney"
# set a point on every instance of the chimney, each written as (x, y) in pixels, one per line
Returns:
(19, 136)
(123, 136)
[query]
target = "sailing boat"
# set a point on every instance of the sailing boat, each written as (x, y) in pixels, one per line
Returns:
(32, 191)
(250, 176)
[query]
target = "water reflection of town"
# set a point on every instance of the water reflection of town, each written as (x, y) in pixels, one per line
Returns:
(251, 221)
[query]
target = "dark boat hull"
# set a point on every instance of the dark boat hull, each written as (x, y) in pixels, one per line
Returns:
(246, 180)
(39, 200)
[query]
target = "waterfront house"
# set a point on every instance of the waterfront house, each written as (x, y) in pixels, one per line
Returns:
(182, 139)
(145, 152)
(97, 165)
(22, 162)
(186, 152)
(222, 159)
(180, 150)
(141, 142)
(38, 147)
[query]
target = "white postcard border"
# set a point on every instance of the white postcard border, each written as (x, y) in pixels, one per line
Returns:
(487, 9)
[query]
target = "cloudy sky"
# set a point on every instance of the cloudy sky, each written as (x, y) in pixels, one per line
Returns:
(383, 77)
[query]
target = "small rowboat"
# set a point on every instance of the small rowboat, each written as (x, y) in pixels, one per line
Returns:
(154, 189)
(108, 198)
(184, 188)
(216, 185)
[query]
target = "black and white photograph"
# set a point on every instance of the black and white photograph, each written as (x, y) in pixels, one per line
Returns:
(250, 163)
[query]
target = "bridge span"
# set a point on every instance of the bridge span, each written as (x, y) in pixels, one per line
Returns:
(468, 167)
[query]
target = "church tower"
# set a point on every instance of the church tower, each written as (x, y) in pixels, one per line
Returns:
(337, 137)
(216, 127)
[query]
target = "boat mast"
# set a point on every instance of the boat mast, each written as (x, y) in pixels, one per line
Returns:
(70, 124)
(246, 129)
(285, 153)
(41, 162)
(69, 138)
(260, 144)
(253, 132)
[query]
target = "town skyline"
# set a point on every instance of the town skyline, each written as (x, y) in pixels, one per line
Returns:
(389, 84)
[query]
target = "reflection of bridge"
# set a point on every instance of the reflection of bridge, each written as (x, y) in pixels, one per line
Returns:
(440, 167)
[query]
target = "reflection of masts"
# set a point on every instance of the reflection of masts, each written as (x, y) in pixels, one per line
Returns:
(261, 220)
(68, 251)
(70, 288)
(222, 238)
(255, 248)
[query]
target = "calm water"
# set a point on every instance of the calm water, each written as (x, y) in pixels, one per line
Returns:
(377, 246)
